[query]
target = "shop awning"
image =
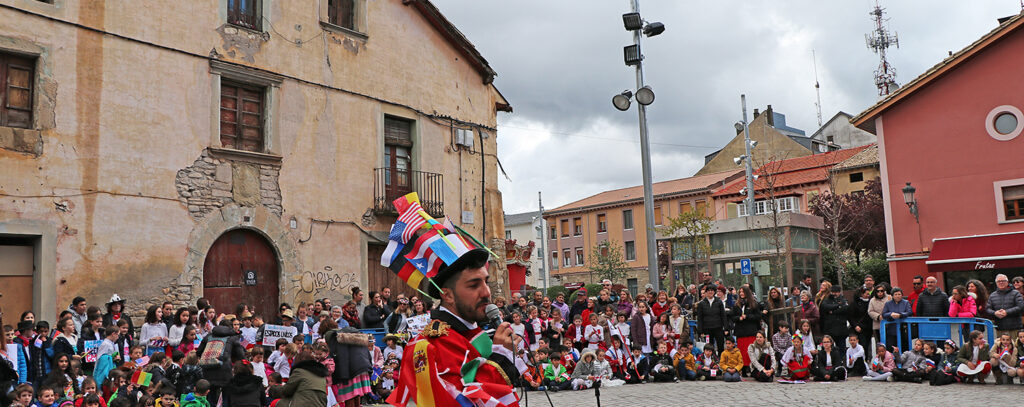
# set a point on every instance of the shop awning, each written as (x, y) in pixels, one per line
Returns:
(982, 252)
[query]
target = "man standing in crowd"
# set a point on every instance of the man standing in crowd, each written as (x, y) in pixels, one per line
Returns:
(918, 289)
(705, 281)
(385, 295)
(932, 302)
(869, 283)
(710, 314)
(77, 308)
(579, 305)
(538, 299)
(1005, 305)
(834, 311)
(439, 352)
(607, 285)
(806, 283)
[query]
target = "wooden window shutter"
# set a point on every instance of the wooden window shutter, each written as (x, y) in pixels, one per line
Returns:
(702, 208)
(17, 75)
(341, 13)
(397, 132)
(241, 117)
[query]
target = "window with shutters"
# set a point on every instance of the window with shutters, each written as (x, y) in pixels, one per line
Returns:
(565, 227)
(702, 207)
(566, 258)
(244, 13)
(630, 251)
(241, 117)
(397, 156)
(657, 215)
(627, 219)
(342, 13)
(577, 226)
(602, 223)
(685, 207)
(17, 74)
(579, 256)
(553, 233)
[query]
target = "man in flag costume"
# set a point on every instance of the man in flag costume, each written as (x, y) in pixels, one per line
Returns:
(453, 362)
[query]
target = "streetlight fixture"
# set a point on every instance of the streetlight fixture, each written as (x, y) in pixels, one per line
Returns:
(632, 56)
(908, 198)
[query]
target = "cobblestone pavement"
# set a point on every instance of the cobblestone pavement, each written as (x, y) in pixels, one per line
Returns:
(751, 393)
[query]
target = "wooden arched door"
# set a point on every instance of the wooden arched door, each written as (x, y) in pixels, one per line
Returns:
(242, 267)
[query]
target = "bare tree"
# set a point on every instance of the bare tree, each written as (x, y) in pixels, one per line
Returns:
(689, 232)
(766, 185)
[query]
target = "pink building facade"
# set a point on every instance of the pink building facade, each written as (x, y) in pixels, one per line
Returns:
(954, 134)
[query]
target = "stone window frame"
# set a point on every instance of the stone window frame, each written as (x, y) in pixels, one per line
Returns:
(998, 186)
(271, 83)
(43, 104)
(401, 113)
(359, 20)
(263, 13)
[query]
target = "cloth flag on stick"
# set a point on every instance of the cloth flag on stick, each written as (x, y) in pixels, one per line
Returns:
(410, 218)
(142, 378)
(394, 259)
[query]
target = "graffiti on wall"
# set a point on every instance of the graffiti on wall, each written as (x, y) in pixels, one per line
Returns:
(326, 282)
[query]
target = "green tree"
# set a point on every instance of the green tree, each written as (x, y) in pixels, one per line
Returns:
(606, 261)
(690, 242)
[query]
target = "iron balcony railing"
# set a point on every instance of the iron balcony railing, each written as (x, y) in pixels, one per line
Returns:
(390, 184)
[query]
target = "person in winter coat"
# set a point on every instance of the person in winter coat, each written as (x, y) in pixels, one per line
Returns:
(932, 302)
(912, 364)
(809, 310)
(374, 314)
(115, 313)
(834, 310)
(66, 341)
(746, 318)
(1005, 306)
(881, 366)
(245, 389)
(640, 327)
(860, 321)
(585, 375)
(896, 309)
(307, 385)
(218, 372)
(762, 358)
(961, 304)
(711, 317)
(879, 297)
(828, 363)
(975, 361)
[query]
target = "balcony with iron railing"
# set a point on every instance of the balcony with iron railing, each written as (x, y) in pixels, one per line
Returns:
(390, 184)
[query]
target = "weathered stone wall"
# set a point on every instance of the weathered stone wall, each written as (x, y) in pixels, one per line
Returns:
(124, 171)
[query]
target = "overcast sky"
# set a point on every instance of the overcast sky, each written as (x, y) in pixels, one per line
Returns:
(559, 63)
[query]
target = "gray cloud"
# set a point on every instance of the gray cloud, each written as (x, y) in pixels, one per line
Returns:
(559, 63)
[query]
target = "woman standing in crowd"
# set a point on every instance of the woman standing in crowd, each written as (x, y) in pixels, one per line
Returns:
(961, 305)
(374, 314)
(177, 329)
(809, 311)
(746, 319)
(895, 309)
(773, 302)
(977, 290)
(66, 340)
(823, 292)
(115, 310)
(860, 321)
(875, 308)
(555, 327)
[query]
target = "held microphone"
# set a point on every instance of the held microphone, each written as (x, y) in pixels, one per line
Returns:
(493, 316)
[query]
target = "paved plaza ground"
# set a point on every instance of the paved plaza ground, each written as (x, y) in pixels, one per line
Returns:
(750, 393)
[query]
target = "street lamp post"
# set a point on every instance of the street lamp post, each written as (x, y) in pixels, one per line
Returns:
(644, 96)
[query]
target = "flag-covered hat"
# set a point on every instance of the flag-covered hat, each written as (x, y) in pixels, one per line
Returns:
(475, 258)
(437, 253)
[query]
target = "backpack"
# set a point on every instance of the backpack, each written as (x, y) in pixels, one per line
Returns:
(217, 351)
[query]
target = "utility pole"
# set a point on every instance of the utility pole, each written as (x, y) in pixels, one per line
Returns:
(543, 246)
(645, 159)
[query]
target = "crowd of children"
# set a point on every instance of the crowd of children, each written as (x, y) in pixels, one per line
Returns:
(189, 357)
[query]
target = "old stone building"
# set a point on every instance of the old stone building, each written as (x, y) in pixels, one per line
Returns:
(244, 150)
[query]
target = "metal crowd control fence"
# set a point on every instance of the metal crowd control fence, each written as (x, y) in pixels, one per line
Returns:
(937, 329)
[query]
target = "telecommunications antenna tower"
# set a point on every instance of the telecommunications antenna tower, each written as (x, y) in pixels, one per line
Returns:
(878, 41)
(817, 87)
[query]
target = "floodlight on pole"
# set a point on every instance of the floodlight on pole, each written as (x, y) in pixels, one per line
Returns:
(645, 95)
(621, 101)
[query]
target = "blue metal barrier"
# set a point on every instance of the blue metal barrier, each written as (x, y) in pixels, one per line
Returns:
(378, 336)
(936, 329)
